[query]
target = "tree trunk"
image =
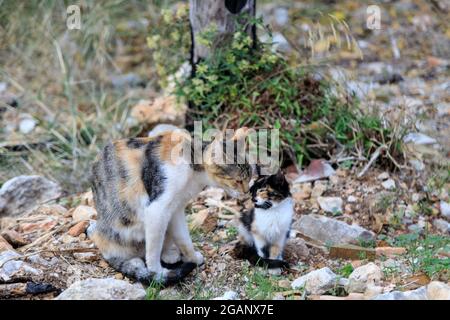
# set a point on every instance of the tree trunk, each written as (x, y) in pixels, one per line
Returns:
(222, 14)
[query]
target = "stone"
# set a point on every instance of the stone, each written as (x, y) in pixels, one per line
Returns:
(23, 193)
(295, 249)
(418, 138)
(438, 291)
(389, 184)
(84, 213)
(4, 245)
(351, 252)
(14, 238)
(352, 199)
(15, 269)
(87, 199)
(317, 281)
(331, 231)
(44, 225)
(27, 124)
(319, 189)
(442, 225)
(125, 80)
(389, 251)
(79, 228)
(364, 275)
(163, 109)
(284, 283)
(443, 109)
(85, 256)
(301, 191)
(229, 295)
(445, 209)
(281, 16)
(103, 289)
(372, 291)
(317, 169)
(418, 294)
(280, 42)
(330, 204)
(383, 176)
(204, 220)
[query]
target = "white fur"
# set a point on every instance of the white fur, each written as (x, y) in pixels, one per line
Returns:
(164, 218)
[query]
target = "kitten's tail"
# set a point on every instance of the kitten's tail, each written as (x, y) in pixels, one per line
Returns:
(135, 269)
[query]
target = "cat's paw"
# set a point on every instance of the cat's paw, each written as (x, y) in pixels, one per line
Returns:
(197, 258)
(171, 256)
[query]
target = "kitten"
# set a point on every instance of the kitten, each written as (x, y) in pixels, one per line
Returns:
(141, 187)
(264, 229)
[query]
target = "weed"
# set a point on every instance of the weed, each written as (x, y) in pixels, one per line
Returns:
(346, 270)
(422, 253)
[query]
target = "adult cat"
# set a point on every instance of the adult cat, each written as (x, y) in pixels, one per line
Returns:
(141, 187)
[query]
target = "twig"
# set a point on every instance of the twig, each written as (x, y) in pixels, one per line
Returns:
(373, 158)
(46, 236)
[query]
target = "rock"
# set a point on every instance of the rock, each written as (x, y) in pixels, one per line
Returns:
(445, 209)
(389, 251)
(67, 239)
(27, 124)
(44, 225)
(23, 193)
(14, 238)
(103, 289)
(383, 176)
(164, 109)
(87, 199)
(418, 165)
(351, 252)
(79, 228)
(352, 199)
(330, 204)
(418, 294)
(388, 184)
(317, 281)
(317, 169)
(15, 269)
(295, 249)
(443, 109)
(364, 275)
(125, 80)
(284, 284)
(280, 42)
(84, 213)
(4, 245)
(372, 291)
(438, 291)
(301, 191)
(204, 220)
(319, 189)
(442, 225)
(331, 231)
(85, 256)
(229, 295)
(418, 138)
(281, 16)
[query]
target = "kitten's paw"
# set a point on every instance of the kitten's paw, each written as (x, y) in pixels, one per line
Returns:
(197, 258)
(275, 271)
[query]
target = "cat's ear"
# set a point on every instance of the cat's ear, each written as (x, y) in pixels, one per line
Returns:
(240, 133)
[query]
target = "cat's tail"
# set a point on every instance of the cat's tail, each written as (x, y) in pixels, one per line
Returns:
(135, 268)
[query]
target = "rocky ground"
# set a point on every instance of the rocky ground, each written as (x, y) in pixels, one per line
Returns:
(383, 234)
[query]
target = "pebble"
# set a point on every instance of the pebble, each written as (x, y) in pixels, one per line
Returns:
(331, 231)
(103, 289)
(438, 291)
(330, 204)
(84, 213)
(78, 229)
(319, 188)
(388, 184)
(442, 225)
(364, 275)
(445, 209)
(317, 281)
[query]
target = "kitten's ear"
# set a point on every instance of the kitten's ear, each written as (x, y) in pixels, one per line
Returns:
(240, 133)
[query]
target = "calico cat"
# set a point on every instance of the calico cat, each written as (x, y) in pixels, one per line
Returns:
(141, 187)
(264, 229)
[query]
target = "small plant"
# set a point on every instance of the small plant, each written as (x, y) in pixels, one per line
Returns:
(422, 253)
(346, 270)
(232, 232)
(153, 291)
